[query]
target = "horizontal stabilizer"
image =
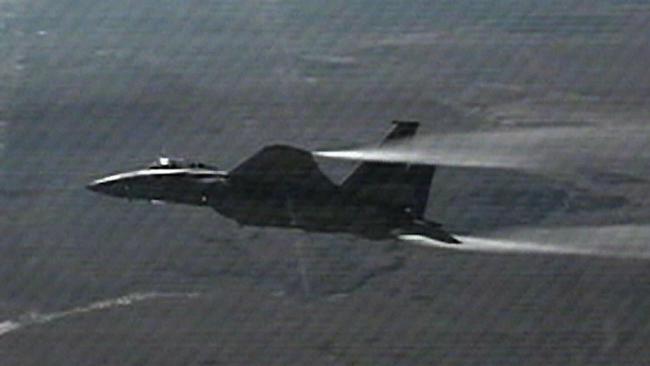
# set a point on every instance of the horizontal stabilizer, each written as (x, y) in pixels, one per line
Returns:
(427, 241)
(428, 229)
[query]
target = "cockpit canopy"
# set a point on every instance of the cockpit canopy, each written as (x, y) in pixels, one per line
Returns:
(170, 163)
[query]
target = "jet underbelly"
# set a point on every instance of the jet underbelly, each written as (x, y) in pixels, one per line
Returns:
(332, 215)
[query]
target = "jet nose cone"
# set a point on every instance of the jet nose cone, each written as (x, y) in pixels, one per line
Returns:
(108, 185)
(94, 186)
(115, 185)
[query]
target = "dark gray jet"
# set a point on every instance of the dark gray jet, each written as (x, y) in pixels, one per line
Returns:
(283, 186)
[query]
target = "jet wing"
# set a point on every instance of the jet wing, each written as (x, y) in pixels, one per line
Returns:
(282, 166)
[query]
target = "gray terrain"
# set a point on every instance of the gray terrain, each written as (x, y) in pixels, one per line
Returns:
(93, 87)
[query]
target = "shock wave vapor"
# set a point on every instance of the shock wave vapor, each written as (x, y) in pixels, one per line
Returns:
(282, 186)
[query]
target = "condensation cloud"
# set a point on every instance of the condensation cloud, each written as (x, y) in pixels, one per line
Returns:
(561, 151)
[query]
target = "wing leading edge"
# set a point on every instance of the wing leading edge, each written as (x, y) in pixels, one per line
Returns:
(282, 165)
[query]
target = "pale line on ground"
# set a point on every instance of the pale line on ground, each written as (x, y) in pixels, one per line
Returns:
(127, 300)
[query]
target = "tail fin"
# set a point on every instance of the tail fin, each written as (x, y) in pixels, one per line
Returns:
(402, 130)
(403, 186)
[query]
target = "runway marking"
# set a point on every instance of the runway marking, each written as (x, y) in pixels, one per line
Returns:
(35, 318)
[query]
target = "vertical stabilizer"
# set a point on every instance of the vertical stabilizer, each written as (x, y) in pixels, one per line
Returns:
(402, 130)
(403, 186)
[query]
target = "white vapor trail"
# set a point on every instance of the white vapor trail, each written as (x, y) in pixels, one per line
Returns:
(550, 150)
(38, 318)
(487, 245)
(616, 241)
(568, 152)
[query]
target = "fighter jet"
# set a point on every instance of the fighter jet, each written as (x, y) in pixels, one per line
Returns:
(282, 186)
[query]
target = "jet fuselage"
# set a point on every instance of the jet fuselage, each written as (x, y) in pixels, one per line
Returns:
(283, 186)
(312, 209)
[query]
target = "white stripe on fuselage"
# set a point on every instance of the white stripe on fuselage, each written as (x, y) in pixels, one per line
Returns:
(158, 172)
